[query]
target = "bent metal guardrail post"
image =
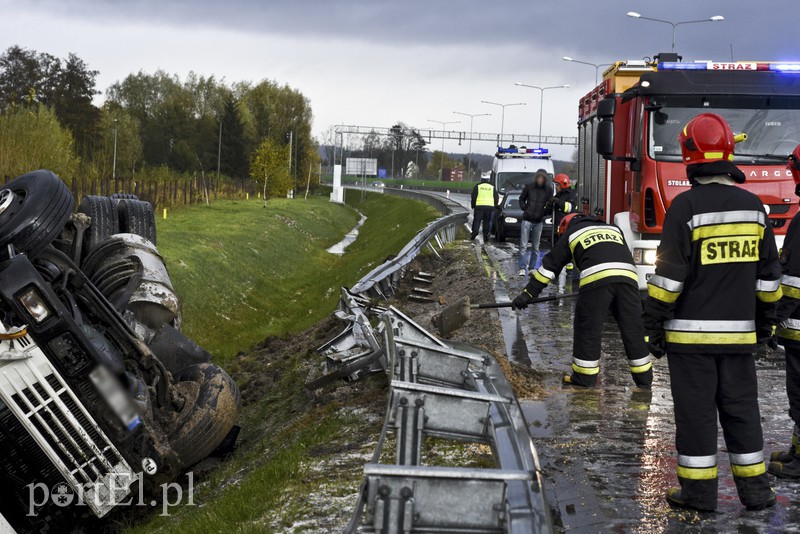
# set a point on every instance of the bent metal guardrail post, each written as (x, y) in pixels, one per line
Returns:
(440, 389)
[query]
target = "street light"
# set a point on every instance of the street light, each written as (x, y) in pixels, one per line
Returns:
(471, 118)
(502, 115)
(595, 65)
(441, 160)
(715, 18)
(541, 101)
(114, 164)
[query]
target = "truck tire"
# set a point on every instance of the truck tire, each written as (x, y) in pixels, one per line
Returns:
(105, 221)
(137, 217)
(33, 210)
(211, 410)
(124, 196)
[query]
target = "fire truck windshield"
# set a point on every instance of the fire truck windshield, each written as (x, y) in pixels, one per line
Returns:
(772, 126)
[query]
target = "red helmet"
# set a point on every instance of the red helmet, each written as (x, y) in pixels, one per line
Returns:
(707, 138)
(564, 224)
(562, 180)
(794, 164)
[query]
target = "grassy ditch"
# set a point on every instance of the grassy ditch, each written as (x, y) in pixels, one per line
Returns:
(245, 273)
(297, 456)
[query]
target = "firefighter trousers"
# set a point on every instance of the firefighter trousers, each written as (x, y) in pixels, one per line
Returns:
(482, 214)
(793, 391)
(623, 301)
(705, 386)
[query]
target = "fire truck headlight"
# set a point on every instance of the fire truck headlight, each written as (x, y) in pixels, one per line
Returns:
(33, 303)
(644, 256)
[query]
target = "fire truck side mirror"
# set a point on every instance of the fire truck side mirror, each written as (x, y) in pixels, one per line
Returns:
(606, 109)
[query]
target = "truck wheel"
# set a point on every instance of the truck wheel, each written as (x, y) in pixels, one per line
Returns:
(124, 196)
(212, 406)
(105, 221)
(33, 210)
(137, 217)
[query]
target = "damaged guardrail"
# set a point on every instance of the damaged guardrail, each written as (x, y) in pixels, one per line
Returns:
(440, 389)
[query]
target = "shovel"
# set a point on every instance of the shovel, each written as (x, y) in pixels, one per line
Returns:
(455, 315)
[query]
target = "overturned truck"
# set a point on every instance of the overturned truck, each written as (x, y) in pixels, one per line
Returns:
(99, 390)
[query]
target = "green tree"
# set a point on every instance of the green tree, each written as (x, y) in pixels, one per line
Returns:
(233, 157)
(439, 160)
(32, 138)
(72, 102)
(270, 166)
(129, 143)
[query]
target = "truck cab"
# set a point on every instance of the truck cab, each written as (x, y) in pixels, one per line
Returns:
(629, 158)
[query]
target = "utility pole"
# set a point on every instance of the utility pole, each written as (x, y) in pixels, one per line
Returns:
(715, 18)
(290, 156)
(469, 155)
(219, 150)
(541, 101)
(114, 164)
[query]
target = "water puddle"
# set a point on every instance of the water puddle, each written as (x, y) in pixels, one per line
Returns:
(340, 247)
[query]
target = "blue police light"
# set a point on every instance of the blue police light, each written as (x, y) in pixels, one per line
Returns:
(540, 151)
(785, 67)
(677, 65)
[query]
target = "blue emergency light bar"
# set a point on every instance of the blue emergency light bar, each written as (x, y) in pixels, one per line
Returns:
(523, 150)
(732, 66)
(677, 65)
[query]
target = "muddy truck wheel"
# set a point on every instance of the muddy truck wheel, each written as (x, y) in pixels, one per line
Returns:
(137, 217)
(33, 210)
(124, 196)
(212, 406)
(105, 221)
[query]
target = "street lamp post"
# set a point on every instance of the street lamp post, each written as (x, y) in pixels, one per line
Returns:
(114, 161)
(541, 101)
(715, 18)
(502, 115)
(441, 160)
(471, 119)
(595, 65)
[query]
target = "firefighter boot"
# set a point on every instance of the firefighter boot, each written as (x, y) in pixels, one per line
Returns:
(642, 372)
(580, 380)
(700, 495)
(790, 469)
(787, 455)
(755, 492)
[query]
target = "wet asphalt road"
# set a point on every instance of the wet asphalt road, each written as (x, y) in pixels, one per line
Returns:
(608, 453)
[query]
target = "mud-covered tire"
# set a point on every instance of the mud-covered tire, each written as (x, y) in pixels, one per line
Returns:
(105, 221)
(137, 217)
(211, 410)
(124, 196)
(33, 211)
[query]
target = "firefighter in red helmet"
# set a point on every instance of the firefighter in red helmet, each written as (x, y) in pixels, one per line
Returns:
(608, 283)
(712, 299)
(786, 464)
(563, 202)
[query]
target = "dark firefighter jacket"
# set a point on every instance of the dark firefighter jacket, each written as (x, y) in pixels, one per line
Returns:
(789, 306)
(532, 201)
(565, 203)
(483, 194)
(597, 249)
(717, 280)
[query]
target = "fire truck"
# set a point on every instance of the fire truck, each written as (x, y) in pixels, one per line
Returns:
(629, 159)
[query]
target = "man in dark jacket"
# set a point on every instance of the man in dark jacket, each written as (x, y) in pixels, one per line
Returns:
(532, 201)
(712, 298)
(609, 283)
(484, 201)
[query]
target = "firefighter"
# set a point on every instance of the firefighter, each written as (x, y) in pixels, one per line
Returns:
(608, 283)
(786, 464)
(484, 201)
(561, 204)
(713, 295)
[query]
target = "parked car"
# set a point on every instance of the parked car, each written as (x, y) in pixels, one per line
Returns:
(378, 184)
(508, 220)
(98, 386)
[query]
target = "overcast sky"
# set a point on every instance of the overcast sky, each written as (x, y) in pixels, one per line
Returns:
(374, 62)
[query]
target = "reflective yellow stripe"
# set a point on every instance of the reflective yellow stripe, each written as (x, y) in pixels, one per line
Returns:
(726, 230)
(697, 473)
(605, 234)
(642, 368)
(769, 296)
(585, 370)
(791, 292)
(567, 207)
(605, 274)
(748, 470)
(711, 338)
(713, 155)
(662, 294)
(541, 278)
(789, 333)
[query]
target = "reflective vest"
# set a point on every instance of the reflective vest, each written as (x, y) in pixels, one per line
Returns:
(485, 195)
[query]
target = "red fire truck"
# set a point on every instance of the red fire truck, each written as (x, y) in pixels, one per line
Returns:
(629, 160)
